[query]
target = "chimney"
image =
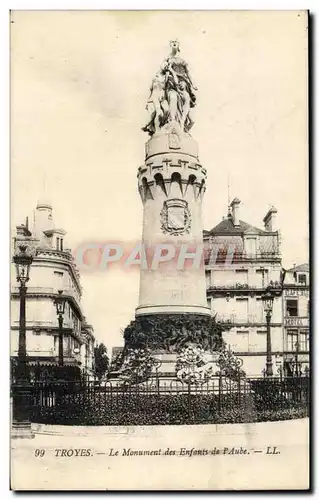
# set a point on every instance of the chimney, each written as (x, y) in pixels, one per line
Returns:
(235, 211)
(43, 217)
(270, 220)
(23, 230)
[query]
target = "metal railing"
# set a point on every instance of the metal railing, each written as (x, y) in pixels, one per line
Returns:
(156, 401)
(238, 256)
(232, 319)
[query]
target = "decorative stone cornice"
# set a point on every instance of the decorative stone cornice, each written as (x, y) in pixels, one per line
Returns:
(39, 292)
(65, 257)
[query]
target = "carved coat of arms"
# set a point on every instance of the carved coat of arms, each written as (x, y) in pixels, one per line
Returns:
(175, 217)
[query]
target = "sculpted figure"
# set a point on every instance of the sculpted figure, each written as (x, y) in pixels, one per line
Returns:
(179, 88)
(185, 119)
(157, 105)
(172, 94)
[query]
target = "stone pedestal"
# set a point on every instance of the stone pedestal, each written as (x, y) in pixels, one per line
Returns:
(21, 404)
(21, 430)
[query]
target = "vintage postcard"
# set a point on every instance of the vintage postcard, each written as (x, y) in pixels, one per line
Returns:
(160, 251)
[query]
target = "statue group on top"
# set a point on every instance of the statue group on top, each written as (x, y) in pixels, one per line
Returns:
(172, 95)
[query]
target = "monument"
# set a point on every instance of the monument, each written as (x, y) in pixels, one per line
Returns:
(172, 310)
(172, 185)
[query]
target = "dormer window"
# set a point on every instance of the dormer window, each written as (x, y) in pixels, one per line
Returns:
(302, 279)
(251, 246)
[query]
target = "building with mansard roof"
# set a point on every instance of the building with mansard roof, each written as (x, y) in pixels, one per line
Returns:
(241, 260)
(52, 269)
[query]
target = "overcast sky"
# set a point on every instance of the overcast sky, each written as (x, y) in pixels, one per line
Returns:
(79, 85)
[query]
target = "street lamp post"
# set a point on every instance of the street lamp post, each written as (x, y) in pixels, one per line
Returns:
(297, 364)
(268, 300)
(60, 302)
(21, 389)
(278, 364)
(77, 351)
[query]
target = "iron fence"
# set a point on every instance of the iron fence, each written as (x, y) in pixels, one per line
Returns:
(219, 400)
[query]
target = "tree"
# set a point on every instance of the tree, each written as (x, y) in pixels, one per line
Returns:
(101, 360)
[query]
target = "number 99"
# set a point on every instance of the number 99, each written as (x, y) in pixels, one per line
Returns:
(39, 453)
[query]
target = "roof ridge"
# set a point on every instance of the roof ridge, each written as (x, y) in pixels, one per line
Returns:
(226, 225)
(299, 267)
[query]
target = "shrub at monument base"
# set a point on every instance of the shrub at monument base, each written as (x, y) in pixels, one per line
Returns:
(170, 333)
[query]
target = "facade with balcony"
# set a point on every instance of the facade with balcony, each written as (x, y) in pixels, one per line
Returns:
(241, 261)
(52, 269)
(296, 309)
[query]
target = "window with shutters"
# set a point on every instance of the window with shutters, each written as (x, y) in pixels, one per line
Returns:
(292, 339)
(242, 310)
(304, 340)
(241, 277)
(292, 307)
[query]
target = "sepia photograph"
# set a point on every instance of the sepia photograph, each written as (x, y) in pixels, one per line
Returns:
(160, 272)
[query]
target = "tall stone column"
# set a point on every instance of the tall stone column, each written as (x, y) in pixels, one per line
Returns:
(172, 311)
(172, 186)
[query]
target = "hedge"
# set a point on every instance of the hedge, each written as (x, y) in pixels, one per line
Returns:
(164, 409)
